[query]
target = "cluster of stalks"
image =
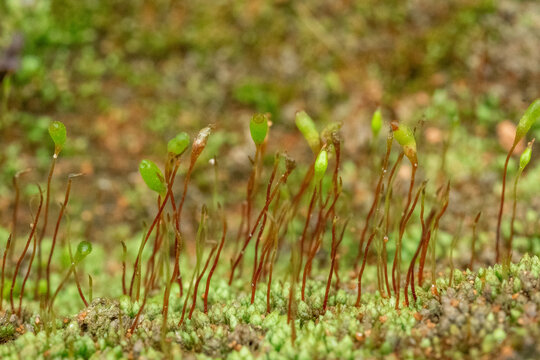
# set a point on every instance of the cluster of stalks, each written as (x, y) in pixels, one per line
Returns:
(266, 221)
(28, 254)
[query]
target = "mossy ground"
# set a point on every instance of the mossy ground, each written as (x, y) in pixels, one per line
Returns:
(489, 314)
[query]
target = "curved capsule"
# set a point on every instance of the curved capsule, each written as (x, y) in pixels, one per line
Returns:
(58, 133)
(305, 124)
(525, 157)
(178, 144)
(321, 164)
(532, 115)
(152, 176)
(405, 137)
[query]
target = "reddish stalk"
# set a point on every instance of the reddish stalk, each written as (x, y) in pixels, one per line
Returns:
(333, 254)
(15, 210)
(60, 216)
(145, 298)
(3, 269)
(269, 243)
(396, 267)
(361, 273)
(214, 265)
(441, 212)
(275, 243)
(45, 219)
(376, 196)
(317, 235)
(12, 236)
(474, 236)
(77, 282)
(240, 230)
(306, 224)
(158, 239)
(295, 268)
(281, 181)
(261, 230)
(124, 256)
(194, 301)
(32, 233)
(387, 199)
(136, 267)
(250, 187)
(406, 220)
(157, 218)
(423, 237)
(501, 206)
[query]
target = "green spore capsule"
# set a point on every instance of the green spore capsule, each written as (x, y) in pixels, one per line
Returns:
(525, 157)
(321, 164)
(152, 176)
(258, 127)
(532, 115)
(178, 144)
(58, 133)
(83, 250)
(307, 127)
(405, 137)
(376, 123)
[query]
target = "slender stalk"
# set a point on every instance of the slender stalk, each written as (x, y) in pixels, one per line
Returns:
(13, 235)
(32, 232)
(335, 245)
(197, 282)
(60, 215)
(136, 266)
(514, 207)
(361, 273)
(32, 255)
(396, 267)
(501, 206)
(124, 256)
(214, 265)
(410, 271)
(317, 236)
(474, 237)
(445, 202)
(60, 286)
(376, 196)
(45, 220)
(281, 181)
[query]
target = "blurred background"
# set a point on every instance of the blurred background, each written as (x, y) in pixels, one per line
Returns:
(126, 76)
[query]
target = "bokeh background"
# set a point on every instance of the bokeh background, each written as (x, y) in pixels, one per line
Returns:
(126, 76)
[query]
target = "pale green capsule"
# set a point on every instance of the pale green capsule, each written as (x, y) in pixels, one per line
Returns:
(525, 157)
(405, 137)
(58, 133)
(376, 123)
(178, 144)
(305, 124)
(321, 164)
(532, 115)
(152, 176)
(258, 127)
(83, 250)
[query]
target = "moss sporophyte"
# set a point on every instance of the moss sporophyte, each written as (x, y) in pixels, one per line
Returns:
(297, 211)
